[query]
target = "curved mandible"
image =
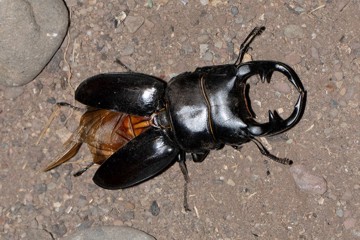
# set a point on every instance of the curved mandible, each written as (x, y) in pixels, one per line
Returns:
(276, 124)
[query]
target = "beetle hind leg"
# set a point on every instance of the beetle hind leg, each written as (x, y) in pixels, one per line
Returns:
(81, 171)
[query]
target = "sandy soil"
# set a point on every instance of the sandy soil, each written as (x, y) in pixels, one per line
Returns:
(231, 194)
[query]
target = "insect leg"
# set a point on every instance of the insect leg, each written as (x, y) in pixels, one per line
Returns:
(81, 171)
(182, 164)
(199, 157)
(266, 153)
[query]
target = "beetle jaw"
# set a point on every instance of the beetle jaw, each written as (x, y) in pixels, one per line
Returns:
(276, 123)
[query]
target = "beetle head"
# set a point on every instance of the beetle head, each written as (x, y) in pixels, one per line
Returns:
(276, 124)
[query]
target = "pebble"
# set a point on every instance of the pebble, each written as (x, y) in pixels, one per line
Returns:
(293, 58)
(109, 233)
(234, 10)
(155, 209)
(203, 49)
(133, 23)
(127, 216)
(338, 75)
(307, 181)
(230, 182)
(208, 56)
(349, 223)
(314, 53)
(339, 212)
(293, 31)
(31, 33)
(40, 188)
(127, 50)
(203, 38)
(59, 229)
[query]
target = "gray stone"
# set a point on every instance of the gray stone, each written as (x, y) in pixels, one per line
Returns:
(293, 31)
(30, 34)
(109, 233)
(133, 23)
(307, 181)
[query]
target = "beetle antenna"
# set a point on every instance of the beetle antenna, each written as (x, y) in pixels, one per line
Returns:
(266, 153)
(244, 47)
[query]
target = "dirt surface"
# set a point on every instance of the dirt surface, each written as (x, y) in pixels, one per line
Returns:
(231, 194)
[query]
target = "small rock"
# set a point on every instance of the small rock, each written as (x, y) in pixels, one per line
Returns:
(339, 212)
(234, 10)
(109, 233)
(315, 53)
(127, 216)
(34, 233)
(208, 56)
(230, 182)
(349, 223)
(40, 188)
(203, 38)
(127, 50)
(293, 58)
(299, 10)
(307, 181)
(203, 49)
(31, 33)
(154, 208)
(59, 229)
(339, 76)
(293, 31)
(204, 2)
(133, 23)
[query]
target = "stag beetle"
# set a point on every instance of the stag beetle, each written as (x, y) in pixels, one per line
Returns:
(137, 125)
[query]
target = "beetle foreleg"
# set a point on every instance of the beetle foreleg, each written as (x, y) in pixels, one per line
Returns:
(199, 157)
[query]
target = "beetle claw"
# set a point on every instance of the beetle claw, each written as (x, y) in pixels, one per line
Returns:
(275, 118)
(265, 75)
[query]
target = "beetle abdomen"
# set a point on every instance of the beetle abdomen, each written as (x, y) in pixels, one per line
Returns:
(104, 132)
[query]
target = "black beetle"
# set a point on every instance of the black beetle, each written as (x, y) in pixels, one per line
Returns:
(158, 122)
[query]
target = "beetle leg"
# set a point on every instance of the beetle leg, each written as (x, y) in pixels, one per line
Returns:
(244, 47)
(81, 171)
(266, 153)
(118, 61)
(182, 164)
(199, 157)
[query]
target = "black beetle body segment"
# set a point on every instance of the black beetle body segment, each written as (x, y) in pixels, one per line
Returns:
(209, 107)
(188, 111)
(132, 93)
(144, 157)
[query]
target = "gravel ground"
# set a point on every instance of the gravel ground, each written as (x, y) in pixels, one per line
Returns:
(232, 194)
